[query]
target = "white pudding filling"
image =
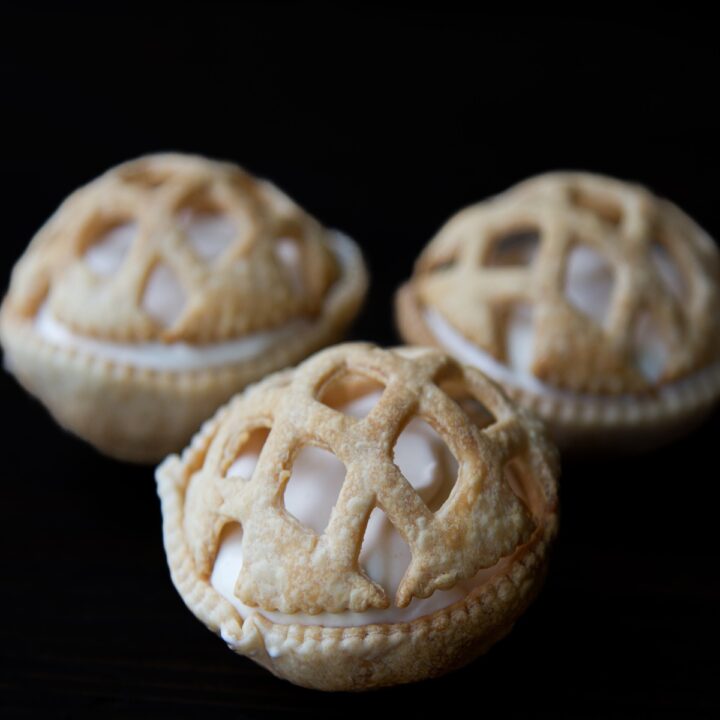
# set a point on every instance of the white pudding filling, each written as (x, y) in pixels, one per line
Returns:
(164, 301)
(176, 356)
(589, 287)
(209, 233)
(105, 257)
(310, 495)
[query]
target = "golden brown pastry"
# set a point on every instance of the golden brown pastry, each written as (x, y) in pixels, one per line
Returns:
(371, 517)
(594, 302)
(163, 287)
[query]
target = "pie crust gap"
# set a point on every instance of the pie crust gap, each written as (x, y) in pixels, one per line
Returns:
(372, 517)
(163, 287)
(591, 300)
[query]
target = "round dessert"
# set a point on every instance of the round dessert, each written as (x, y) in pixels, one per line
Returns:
(162, 288)
(371, 517)
(592, 301)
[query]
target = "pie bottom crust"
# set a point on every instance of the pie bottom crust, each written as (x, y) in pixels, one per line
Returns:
(357, 657)
(139, 414)
(577, 424)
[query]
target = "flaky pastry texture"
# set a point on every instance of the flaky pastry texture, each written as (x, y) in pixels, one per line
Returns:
(488, 520)
(459, 275)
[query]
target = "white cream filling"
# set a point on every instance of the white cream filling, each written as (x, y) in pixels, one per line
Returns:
(589, 282)
(179, 356)
(310, 495)
(467, 352)
(209, 234)
(105, 257)
(164, 298)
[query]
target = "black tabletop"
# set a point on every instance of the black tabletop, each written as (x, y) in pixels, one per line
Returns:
(381, 124)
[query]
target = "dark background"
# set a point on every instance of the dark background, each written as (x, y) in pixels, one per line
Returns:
(381, 124)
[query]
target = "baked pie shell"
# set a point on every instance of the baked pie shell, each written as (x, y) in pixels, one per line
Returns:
(361, 657)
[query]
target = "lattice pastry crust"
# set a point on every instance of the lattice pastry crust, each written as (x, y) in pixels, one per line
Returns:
(289, 568)
(142, 413)
(639, 236)
(244, 289)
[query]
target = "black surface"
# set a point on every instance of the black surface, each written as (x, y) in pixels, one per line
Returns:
(381, 124)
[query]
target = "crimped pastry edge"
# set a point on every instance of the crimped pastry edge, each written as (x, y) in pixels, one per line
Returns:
(577, 424)
(142, 414)
(357, 657)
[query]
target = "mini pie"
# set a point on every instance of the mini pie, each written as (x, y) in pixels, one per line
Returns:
(592, 301)
(160, 289)
(371, 517)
